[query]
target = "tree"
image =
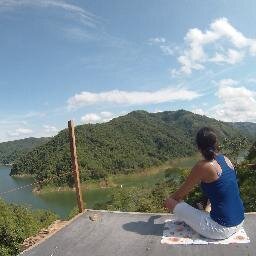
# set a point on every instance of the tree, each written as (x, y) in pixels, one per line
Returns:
(234, 146)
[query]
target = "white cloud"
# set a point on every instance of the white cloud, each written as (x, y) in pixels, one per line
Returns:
(93, 118)
(164, 47)
(198, 111)
(19, 132)
(24, 131)
(106, 114)
(231, 57)
(132, 97)
(222, 28)
(157, 110)
(227, 82)
(84, 16)
(12, 122)
(50, 129)
(253, 47)
(157, 40)
(252, 80)
(236, 103)
(194, 56)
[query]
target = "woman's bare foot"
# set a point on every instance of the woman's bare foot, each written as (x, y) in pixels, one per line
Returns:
(208, 206)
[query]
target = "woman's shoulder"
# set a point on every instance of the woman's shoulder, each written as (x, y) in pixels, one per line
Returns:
(201, 163)
(201, 166)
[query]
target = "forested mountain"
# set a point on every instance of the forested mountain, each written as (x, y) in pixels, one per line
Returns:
(125, 144)
(247, 128)
(11, 150)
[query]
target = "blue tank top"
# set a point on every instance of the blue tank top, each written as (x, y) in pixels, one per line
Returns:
(226, 205)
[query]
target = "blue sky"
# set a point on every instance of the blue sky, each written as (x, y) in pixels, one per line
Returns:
(94, 60)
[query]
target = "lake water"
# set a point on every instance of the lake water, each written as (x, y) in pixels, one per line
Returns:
(63, 203)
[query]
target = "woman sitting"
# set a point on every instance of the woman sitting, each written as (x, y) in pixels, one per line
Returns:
(218, 181)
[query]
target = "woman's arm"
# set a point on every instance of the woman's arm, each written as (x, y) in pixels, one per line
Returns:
(192, 180)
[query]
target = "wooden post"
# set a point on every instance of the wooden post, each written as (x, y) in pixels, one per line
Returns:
(75, 170)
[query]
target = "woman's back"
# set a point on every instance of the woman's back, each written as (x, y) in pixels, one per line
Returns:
(226, 205)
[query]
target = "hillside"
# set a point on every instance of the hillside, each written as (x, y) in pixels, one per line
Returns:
(123, 145)
(11, 150)
(247, 128)
(19, 222)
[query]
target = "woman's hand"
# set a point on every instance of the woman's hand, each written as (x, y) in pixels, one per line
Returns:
(170, 204)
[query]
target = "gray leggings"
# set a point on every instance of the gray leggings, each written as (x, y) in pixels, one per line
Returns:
(202, 223)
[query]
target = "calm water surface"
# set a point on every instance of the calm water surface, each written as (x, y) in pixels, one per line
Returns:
(62, 203)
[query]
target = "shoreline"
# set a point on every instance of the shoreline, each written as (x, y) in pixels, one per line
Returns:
(6, 165)
(52, 189)
(113, 181)
(22, 176)
(84, 186)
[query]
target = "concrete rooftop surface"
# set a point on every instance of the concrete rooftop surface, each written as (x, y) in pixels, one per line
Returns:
(98, 233)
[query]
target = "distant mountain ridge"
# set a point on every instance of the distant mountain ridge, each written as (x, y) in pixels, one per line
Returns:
(247, 128)
(11, 150)
(122, 145)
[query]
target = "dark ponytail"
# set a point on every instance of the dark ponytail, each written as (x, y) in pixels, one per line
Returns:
(207, 143)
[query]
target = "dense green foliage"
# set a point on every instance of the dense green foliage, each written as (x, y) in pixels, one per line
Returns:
(17, 223)
(149, 199)
(152, 199)
(247, 178)
(123, 145)
(11, 150)
(141, 199)
(233, 147)
(252, 154)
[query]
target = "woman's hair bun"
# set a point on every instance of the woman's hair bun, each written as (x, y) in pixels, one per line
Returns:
(206, 140)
